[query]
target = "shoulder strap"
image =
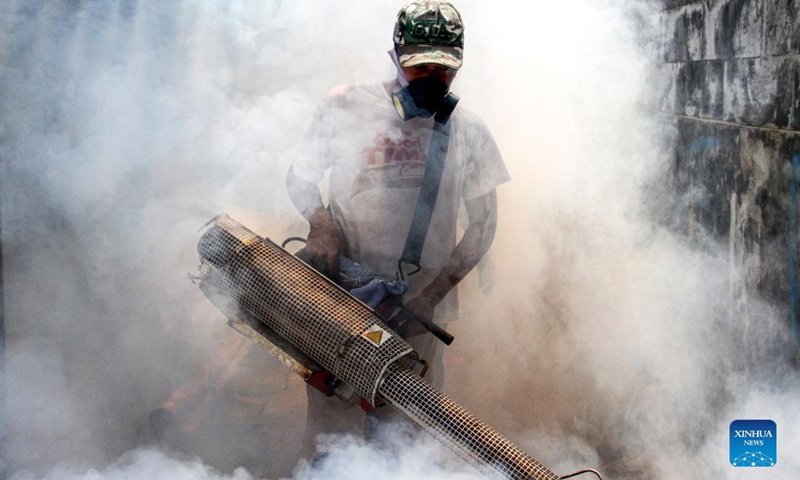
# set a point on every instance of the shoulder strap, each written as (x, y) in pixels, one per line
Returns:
(437, 152)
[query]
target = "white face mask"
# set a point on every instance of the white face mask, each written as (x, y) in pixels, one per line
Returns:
(401, 77)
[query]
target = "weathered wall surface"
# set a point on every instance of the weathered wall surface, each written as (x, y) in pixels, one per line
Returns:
(731, 74)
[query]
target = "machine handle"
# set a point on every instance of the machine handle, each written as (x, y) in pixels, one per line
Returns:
(436, 330)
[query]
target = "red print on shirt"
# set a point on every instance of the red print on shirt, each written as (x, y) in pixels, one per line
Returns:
(392, 163)
(408, 148)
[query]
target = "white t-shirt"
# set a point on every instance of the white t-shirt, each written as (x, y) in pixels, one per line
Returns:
(377, 161)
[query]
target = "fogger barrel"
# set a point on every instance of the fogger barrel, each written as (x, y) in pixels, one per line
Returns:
(348, 339)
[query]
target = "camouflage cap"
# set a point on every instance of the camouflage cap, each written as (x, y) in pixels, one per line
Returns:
(429, 31)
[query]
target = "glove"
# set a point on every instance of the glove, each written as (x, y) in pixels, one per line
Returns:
(369, 287)
(324, 244)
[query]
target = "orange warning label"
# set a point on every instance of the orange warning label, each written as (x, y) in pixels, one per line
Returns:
(376, 335)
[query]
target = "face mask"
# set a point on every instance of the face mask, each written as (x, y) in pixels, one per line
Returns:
(424, 98)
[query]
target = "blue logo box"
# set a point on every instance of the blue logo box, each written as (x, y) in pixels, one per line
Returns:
(754, 443)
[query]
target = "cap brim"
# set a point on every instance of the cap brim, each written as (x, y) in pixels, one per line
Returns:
(446, 56)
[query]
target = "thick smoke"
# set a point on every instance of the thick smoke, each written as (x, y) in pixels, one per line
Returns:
(141, 463)
(606, 340)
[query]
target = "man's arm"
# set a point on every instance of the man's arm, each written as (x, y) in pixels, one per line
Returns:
(325, 242)
(482, 214)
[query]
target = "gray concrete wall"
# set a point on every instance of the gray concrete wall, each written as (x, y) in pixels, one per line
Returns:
(730, 75)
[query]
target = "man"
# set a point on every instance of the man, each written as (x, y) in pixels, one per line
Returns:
(378, 162)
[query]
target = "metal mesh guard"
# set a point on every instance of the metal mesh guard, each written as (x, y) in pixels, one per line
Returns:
(300, 305)
(457, 428)
(328, 324)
